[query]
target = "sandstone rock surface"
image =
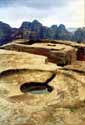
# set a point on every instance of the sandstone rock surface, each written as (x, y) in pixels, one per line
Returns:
(63, 104)
(60, 54)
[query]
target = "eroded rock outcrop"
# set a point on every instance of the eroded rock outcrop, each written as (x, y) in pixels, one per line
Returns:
(63, 105)
(5, 33)
(19, 68)
(60, 54)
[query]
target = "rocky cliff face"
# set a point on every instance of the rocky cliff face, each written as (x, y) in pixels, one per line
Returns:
(63, 34)
(42, 32)
(5, 33)
(79, 35)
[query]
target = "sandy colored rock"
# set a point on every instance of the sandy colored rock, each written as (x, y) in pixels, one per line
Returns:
(57, 53)
(78, 66)
(17, 68)
(11, 81)
(64, 105)
(18, 60)
(65, 42)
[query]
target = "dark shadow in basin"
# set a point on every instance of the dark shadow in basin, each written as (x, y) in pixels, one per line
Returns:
(37, 87)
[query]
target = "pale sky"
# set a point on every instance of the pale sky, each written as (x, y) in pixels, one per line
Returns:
(48, 12)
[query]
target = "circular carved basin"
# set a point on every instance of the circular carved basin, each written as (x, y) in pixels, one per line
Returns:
(36, 88)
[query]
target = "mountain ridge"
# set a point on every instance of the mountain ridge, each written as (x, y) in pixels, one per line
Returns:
(36, 31)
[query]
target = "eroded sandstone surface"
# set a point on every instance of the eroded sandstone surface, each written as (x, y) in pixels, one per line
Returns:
(56, 53)
(34, 91)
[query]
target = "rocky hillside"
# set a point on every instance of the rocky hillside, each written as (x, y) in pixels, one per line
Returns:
(5, 33)
(42, 32)
(36, 31)
(79, 35)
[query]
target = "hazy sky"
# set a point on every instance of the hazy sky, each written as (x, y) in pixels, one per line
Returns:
(48, 12)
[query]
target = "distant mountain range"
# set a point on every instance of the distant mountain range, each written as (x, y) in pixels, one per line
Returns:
(36, 31)
(72, 29)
